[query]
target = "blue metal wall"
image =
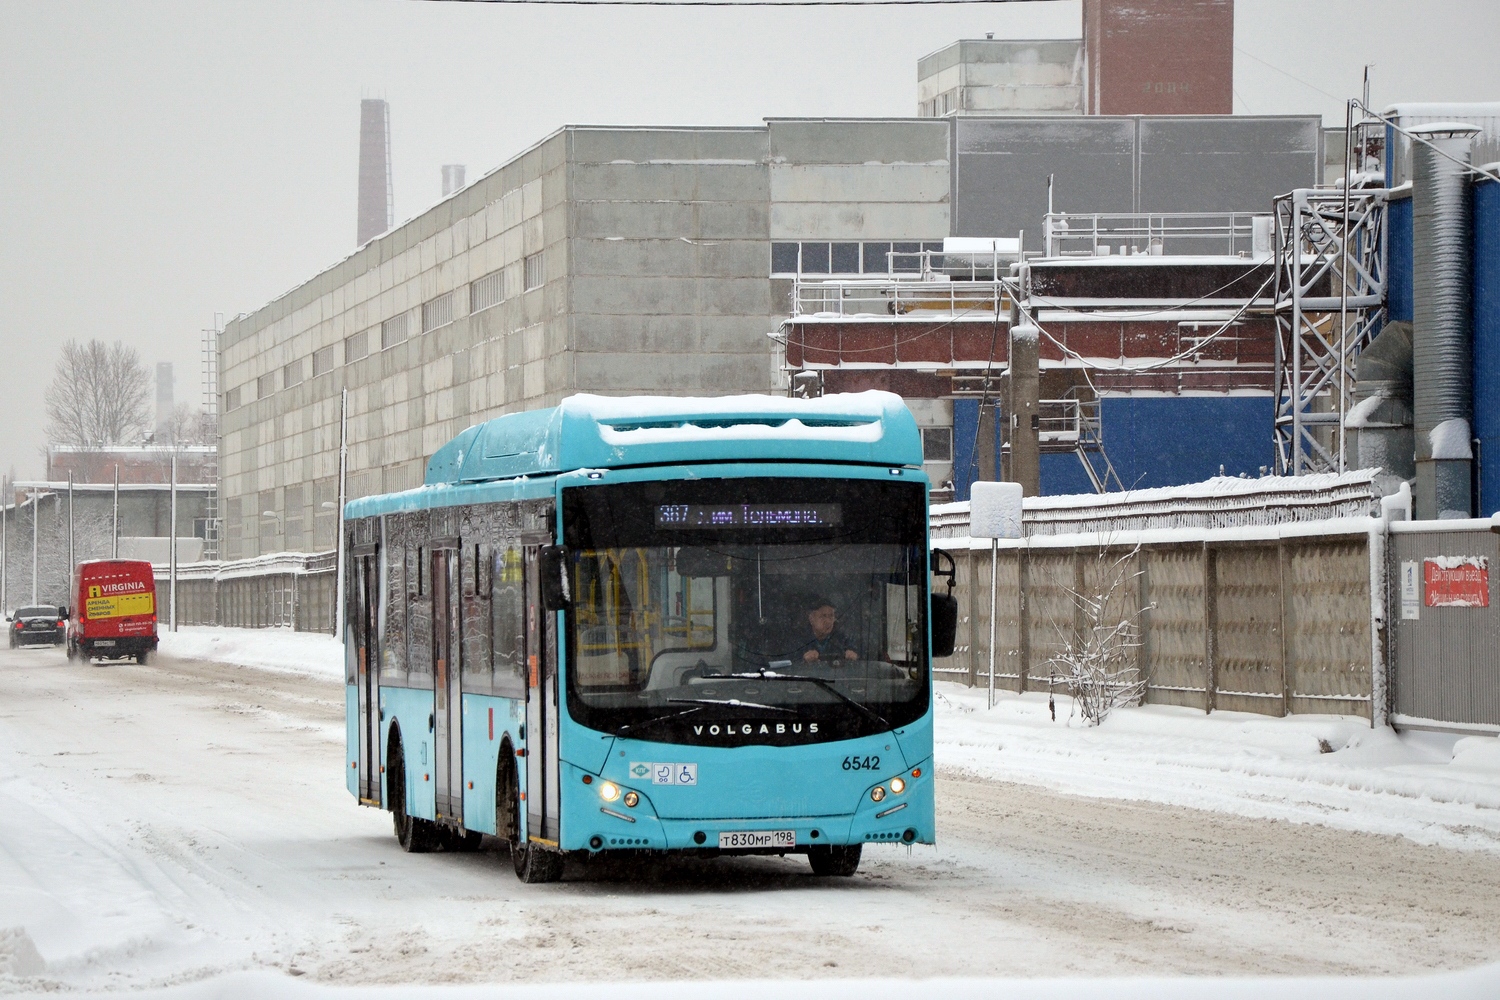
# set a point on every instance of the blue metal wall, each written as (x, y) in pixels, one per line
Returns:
(1398, 248)
(1172, 440)
(965, 463)
(1486, 304)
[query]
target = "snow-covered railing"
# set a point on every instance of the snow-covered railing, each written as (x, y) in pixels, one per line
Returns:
(1221, 502)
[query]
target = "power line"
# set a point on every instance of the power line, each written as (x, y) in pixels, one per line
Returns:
(739, 3)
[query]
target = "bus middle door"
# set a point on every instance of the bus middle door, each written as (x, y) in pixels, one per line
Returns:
(447, 701)
(541, 710)
(362, 609)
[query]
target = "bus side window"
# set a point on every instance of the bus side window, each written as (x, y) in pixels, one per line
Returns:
(393, 649)
(476, 618)
(419, 613)
(508, 621)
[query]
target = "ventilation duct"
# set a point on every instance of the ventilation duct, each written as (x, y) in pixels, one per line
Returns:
(1441, 351)
(1381, 417)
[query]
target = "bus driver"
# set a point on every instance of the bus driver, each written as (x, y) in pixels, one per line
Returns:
(828, 641)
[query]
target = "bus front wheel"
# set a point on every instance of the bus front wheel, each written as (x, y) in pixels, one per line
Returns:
(834, 860)
(536, 864)
(415, 835)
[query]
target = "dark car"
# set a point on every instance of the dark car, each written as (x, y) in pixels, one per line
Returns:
(38, 625)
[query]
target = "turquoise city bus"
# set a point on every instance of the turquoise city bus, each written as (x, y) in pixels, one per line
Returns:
(699, 626)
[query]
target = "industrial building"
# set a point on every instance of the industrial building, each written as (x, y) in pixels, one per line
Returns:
(658, 260)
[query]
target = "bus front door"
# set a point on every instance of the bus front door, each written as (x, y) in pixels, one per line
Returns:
(448, 749)
(541, 710)
(361, 605)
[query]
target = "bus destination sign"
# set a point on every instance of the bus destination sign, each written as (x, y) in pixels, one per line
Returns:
(749, 515)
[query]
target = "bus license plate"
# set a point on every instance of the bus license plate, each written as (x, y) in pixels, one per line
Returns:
(758, 838)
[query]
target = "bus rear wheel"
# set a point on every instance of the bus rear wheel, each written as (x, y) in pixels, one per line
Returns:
(834, 860)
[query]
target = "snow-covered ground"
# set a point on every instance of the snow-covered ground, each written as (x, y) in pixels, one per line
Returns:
(1330, 770)
(309, 653)
(182, 828)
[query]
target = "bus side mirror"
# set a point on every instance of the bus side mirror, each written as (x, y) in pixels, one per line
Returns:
(944, 624)
(553, 565)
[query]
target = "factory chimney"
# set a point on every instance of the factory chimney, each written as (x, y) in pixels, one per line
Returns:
(376, 205)
(453, 178)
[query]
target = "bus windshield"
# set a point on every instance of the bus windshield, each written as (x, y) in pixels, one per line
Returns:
(730, 612)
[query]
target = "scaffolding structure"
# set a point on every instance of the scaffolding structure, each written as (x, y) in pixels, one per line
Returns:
(210, 378)
(1329, 305)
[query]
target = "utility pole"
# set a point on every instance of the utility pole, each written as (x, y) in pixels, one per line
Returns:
(338, 515)
(71, 560)
(8, 505)
(114, 547)
(35, 524)
(172, 552)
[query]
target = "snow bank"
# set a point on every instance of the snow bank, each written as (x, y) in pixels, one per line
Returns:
(310, 653)
(1322, 769)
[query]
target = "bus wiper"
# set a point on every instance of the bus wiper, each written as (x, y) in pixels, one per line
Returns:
(771, 675)
(630, 728)
(732, 703)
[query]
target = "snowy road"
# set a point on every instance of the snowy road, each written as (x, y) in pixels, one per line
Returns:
(166, 823)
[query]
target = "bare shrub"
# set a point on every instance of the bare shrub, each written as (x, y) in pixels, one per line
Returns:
(1097, 661)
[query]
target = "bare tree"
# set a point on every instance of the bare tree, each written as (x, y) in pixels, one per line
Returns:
(1097, 658)
(98, 395)
(188, 426)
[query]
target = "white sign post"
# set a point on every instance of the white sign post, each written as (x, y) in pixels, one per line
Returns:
(994, 513)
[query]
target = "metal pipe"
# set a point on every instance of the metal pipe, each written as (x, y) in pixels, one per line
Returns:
(994, 607)
(1441, 349)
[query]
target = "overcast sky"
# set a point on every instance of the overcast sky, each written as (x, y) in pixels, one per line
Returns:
(161, 163)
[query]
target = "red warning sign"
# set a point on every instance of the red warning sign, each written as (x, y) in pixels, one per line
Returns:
(1456, 581)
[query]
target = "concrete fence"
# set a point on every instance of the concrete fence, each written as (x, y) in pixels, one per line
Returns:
(287, 590)
(1273, 619)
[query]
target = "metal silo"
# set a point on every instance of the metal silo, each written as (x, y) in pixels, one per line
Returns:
(1486, 292)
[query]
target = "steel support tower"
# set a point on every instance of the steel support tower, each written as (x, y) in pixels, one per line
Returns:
(1329, 305)
(210, 372)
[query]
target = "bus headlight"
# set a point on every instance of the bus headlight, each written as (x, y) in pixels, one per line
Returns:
(631, 799)
(877, 793)
(897, 786)
(609, 791)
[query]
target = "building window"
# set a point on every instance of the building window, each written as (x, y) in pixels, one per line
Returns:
(783, 258)
(323, 361)
(846, 258)
(877, 258)
(356, 346)
(535, 271)
(873, 257)
(232, 399)
(486, 291)
(438, 312)
(815, 258)
(292, 374)
(937, 444)
(393, 331)
(265, 385)
(906, 258)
